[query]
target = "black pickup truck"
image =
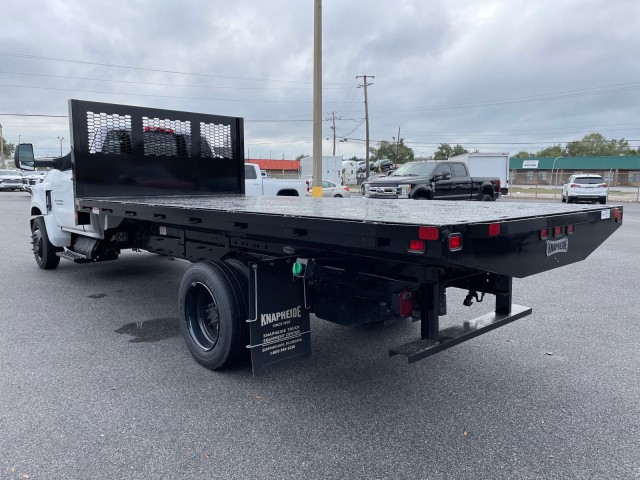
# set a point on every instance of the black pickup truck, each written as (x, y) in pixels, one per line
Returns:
(443, 180)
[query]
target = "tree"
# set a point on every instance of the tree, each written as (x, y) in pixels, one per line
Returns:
(397, 152)
(523, 154)
(595, 144)
(301, 156)
(8, 149)
(445, 151)
(555, 151)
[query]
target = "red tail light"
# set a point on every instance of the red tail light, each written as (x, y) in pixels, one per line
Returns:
(158, 129)
(602, 185)
(569, 229)
(544, 234)
(308, 186)
(417, 246)
(499, 185)
(428, 233)
(617, 214)
(574, 185)
(455, 242)
(557, 231)
(494, 229)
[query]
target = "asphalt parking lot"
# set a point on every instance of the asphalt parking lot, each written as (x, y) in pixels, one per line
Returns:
(95, 382)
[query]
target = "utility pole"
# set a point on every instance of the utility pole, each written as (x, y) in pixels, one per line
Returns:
(333, 127)
(1, 147)
(366, 118)
(398, 146)
(317, 99)
(60, 138)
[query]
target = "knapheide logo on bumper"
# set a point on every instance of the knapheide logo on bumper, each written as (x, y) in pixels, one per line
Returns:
(557, 246)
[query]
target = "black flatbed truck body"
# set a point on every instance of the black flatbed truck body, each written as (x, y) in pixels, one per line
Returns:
(379, 228)
(273, 260)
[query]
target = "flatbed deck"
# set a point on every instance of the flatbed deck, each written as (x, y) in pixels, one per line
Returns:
(369, 211)
(371, 227)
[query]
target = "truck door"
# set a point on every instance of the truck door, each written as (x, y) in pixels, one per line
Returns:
(444, 189)
(462, 181)
(62, 200)
(252, 181)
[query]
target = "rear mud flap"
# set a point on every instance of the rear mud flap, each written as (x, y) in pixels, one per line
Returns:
(278, 320)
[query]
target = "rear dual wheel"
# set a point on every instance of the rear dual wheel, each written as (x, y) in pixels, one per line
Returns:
(213, 306)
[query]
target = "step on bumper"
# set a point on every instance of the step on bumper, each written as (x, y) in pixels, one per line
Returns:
(449, 337)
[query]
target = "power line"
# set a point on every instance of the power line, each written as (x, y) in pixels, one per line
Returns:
(159, 84)
(157, 95)
(156, 70)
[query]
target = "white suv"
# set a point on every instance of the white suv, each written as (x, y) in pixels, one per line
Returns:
(584, 186)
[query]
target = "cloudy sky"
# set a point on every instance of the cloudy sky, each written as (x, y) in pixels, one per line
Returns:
(494, 75)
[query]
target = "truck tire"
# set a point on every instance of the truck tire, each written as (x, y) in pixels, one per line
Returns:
(485, 197)
(214, 313)
(43, 250)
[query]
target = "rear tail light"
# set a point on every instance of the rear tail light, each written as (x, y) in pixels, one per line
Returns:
(557, 231)
(494, 229)
(569, 229)
(602, 185)
(499, 185)
(617, 214)
(544, 234)
(455, 242)
(308, 187)
(417, 246)
(159, 129)
(574, 185)
(428, 233)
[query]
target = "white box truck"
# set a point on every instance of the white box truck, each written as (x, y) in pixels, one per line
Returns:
(331, 168)
(488, 165)
(349, 172)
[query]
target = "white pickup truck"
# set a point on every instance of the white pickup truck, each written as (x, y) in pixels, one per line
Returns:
(255, 184)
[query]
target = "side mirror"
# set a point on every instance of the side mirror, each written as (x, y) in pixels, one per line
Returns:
(23, 158)
(442, 176)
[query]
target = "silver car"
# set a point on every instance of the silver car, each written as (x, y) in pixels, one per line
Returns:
(10, 180)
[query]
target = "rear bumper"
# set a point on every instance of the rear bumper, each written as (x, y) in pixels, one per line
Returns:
(582, 194)
(10, 186)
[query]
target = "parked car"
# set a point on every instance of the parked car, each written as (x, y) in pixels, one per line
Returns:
(10, 180)
(29, 179)
(382, 165)
(330, 189)
(585, 187)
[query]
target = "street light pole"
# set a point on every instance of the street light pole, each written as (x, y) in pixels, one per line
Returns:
(60, 138)
(555, 185)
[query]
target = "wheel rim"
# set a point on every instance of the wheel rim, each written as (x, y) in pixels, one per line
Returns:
(202, 316)
(37, 243)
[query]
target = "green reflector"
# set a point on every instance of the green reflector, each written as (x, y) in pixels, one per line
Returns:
(297, 268)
